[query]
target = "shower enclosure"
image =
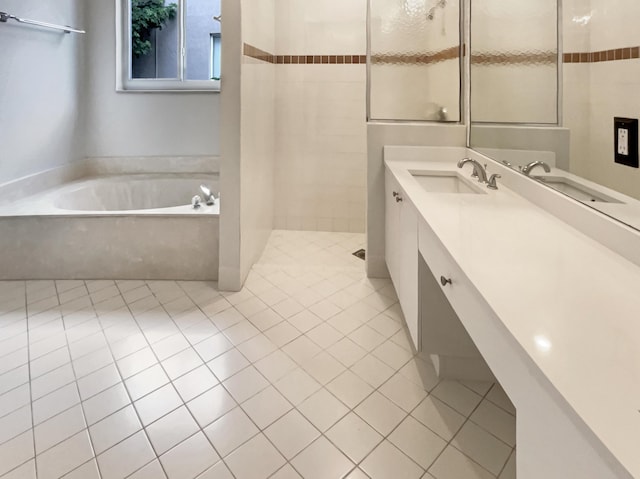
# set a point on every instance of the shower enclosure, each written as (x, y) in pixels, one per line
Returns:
(414, 60)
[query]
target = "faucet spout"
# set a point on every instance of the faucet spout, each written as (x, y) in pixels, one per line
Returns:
(478, 170)
(527, 169)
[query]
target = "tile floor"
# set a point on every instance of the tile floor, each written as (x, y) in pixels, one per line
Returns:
(307, 372)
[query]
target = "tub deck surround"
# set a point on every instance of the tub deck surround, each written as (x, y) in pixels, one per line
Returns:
(111, 218)
(557, 312)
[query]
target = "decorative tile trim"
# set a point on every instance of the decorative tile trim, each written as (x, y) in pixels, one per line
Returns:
(602, 55)
(514, 58)
(258, 54)
(416, 59)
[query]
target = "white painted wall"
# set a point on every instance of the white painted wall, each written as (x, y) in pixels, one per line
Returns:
(140, 124)
(41, 88)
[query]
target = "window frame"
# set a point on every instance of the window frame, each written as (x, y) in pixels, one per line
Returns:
(124, 80)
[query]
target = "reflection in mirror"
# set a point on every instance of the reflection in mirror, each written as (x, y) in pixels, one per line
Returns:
(599, 80)
(514, 61)
(415, 54)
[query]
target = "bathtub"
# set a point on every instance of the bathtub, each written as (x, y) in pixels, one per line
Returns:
(100, 225)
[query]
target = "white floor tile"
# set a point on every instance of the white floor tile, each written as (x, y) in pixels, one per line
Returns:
(115, 428)
(195, 383)
(418, 442)
(482, 447)
(323, 409)
(286, 472)
(89, 470)
(387, 462)
(439, 417)
(255, 459)
(171, 429)
(182, 363)
(245, 384)
(211, 405)
(278, 346)
(231, 431)
(153, 470)
(457, 396)
(291, 433)
(301, 349)
(380, 413)
(65, 457)
(15, 423)
(354, 437)
(190, 458)
(275, 365)
(403, 392)
(218, 471)
(372, 370)
(126, 457)
(266, 407)
(350, 389)
(105, 403)
(59, 428)
(452, 464)
(496, 421)
(323, 367)
(146, 382)
(155, 405)
(16, 451)
(228, 364)
(54, 403)
(321, 460)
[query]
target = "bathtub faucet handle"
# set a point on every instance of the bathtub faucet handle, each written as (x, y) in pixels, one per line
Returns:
(196, 202)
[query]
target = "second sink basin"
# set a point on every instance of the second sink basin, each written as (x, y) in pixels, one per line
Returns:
(446, 182)
(575, 190)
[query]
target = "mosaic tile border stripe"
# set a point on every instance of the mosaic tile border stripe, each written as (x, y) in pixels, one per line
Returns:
(427, 58)
(258, 54)
(508, 58)
(602, 55)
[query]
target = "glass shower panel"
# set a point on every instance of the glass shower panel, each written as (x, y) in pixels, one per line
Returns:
(514, 61)
(415, 60)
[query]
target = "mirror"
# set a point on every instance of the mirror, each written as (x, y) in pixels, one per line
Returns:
(547, 80)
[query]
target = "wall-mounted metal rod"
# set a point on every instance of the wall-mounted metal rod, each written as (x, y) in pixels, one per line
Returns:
(4, 17)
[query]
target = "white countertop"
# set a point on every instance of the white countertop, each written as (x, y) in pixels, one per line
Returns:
(570, 303)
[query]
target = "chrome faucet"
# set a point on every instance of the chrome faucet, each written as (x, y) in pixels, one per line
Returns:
(527, 169)
(478, 170)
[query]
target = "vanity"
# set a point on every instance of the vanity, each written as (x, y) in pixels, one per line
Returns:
(494, 283)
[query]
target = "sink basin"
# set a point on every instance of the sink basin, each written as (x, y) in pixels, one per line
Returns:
(575, 190)
(445, 182)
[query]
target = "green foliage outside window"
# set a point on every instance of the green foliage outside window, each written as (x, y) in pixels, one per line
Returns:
(146, 16)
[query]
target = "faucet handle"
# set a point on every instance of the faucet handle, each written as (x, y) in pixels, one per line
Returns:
(492, 182)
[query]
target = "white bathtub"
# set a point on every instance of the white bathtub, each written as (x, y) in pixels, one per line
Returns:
(133, 226)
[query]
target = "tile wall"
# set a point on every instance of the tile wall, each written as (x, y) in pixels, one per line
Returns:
(320, 166)
(597, 91)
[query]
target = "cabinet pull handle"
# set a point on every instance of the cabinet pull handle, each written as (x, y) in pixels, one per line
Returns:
(395, 194)
(398, 199)
(445, 281)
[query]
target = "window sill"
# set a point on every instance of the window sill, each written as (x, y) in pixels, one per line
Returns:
(122, 90)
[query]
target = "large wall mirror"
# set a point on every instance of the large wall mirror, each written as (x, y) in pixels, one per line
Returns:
(547, 80)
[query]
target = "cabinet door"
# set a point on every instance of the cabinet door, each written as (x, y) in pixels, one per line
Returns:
(408, 292)
(392, 229)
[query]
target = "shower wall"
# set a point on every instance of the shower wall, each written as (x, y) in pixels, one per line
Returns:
(41, 89)
(320, 169)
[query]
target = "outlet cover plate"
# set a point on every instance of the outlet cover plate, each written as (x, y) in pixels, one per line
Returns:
(630, 135)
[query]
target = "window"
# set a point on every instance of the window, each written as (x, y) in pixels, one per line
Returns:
(169, 45)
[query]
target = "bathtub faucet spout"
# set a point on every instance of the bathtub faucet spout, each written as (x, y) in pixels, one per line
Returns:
(209, 197)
